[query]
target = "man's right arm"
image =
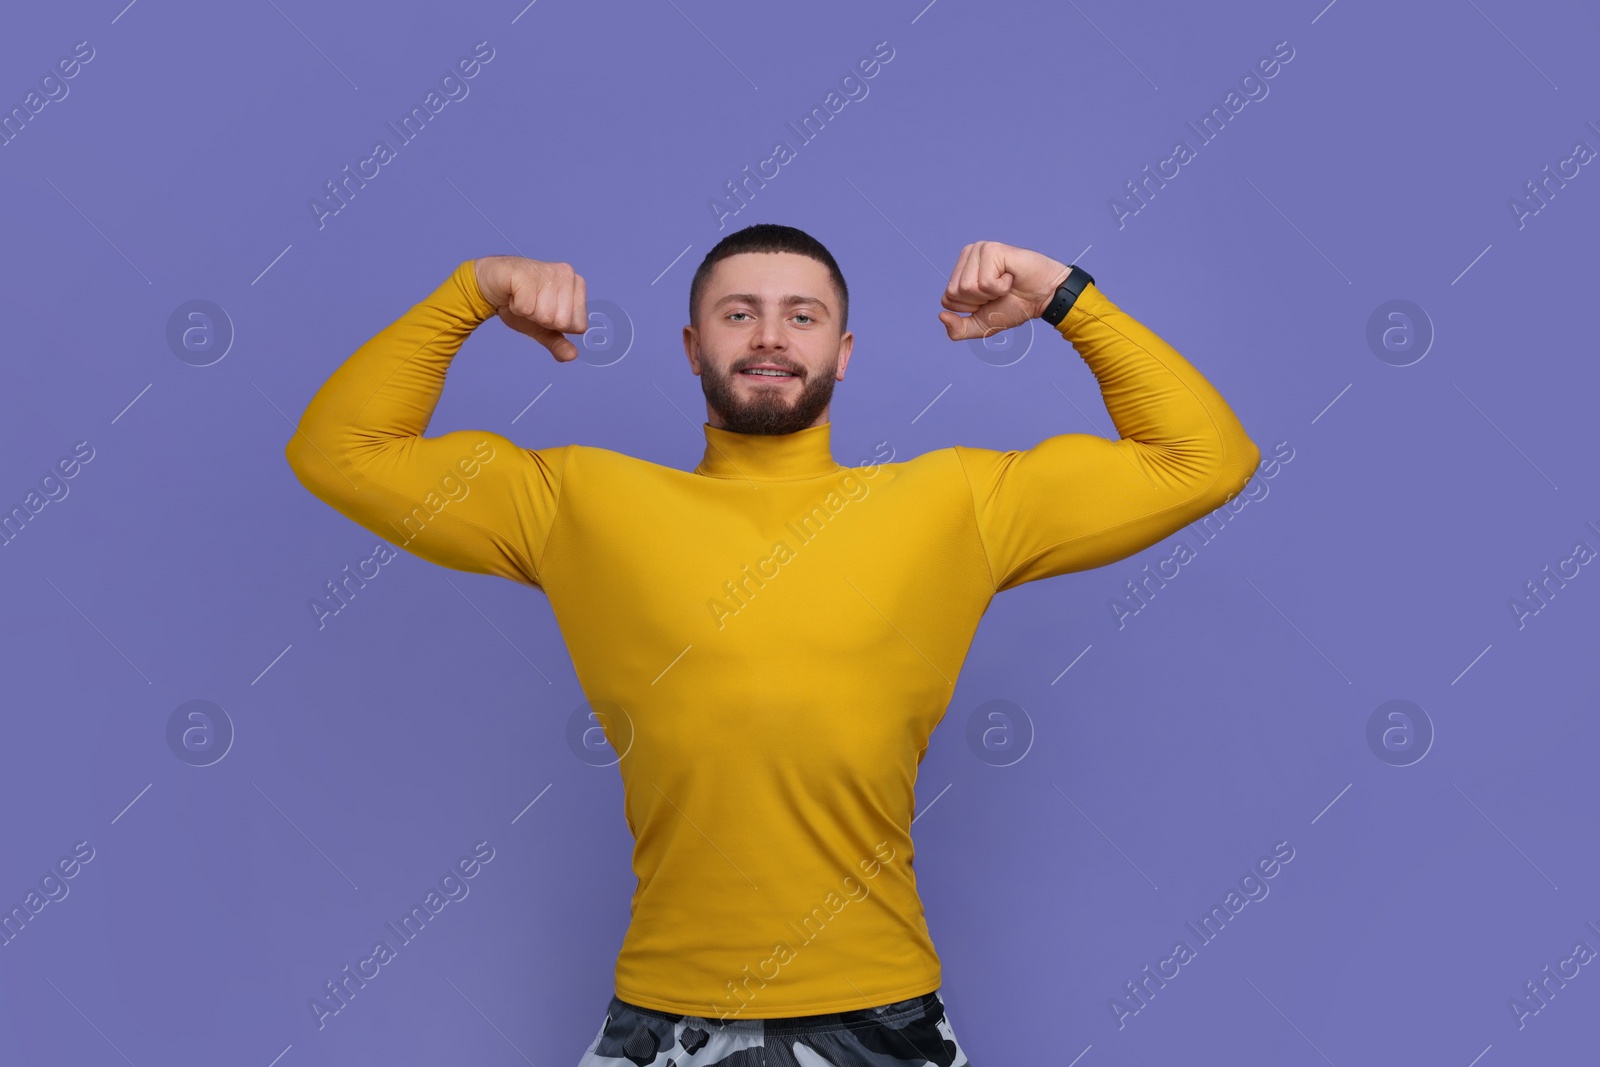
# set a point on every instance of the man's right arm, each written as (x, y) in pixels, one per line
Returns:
(469, 500)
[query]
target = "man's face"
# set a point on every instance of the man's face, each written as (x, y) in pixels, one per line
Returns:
(775, 312)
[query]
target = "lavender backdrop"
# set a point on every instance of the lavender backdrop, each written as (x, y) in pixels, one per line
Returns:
(1382, 255)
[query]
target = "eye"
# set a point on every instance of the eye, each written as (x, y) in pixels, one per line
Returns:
(731, 314)
(803, 315)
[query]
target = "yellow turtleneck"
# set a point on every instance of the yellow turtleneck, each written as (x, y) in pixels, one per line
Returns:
(770, 638)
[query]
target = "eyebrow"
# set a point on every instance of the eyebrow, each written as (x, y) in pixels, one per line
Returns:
(788, 300)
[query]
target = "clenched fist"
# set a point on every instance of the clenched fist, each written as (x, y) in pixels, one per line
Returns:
(542, 300)
(996, 286)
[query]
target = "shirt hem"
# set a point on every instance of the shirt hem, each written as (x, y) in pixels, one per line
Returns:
(852, 1003)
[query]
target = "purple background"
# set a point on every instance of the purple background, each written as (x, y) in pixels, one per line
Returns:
(1229, 714)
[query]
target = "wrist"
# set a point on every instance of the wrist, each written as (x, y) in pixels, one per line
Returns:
(1060, 272)
(482, 283)
(1072, 285)
(483, 305)
(491, 276)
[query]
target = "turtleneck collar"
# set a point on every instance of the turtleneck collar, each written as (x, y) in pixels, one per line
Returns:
(770, 457)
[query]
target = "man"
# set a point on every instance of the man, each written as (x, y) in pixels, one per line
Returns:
(770, 639)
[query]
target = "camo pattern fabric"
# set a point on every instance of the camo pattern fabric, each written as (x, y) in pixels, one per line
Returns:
(907, 1033)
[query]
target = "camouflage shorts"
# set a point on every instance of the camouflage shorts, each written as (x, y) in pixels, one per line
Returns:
(907, 1033)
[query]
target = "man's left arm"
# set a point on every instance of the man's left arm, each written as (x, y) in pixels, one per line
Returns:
(1076, 501)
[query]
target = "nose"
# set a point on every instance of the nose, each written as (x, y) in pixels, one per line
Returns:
(770, 336)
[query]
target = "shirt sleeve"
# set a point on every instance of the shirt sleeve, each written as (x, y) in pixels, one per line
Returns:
(1077, 501)
(470, 500)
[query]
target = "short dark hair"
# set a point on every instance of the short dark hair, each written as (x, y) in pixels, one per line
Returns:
(768, 237)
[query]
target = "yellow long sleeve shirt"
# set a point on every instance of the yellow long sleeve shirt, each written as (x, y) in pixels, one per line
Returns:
(770, 638)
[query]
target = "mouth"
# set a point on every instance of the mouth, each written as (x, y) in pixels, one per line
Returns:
(768, 372)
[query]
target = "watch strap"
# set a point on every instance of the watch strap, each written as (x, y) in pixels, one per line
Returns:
(1066, 295)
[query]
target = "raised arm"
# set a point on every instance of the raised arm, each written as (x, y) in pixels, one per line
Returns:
(470, 500)
(1076, 501)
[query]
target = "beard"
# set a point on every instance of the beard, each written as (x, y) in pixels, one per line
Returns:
(768, 411)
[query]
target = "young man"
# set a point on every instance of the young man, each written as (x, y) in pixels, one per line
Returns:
(770, 639)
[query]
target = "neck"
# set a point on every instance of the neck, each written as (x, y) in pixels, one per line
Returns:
(715, 419)
(768, 457)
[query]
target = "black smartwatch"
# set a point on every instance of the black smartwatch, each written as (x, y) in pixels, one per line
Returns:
(1066, 295)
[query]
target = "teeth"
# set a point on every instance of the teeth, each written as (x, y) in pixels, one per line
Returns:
(770, 373)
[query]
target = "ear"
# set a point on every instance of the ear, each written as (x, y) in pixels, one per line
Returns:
(845, 344)
(689, 349)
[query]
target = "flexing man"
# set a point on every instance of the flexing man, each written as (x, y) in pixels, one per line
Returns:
(769, 639)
